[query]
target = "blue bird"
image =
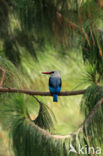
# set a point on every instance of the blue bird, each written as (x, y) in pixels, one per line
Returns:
(54, 84)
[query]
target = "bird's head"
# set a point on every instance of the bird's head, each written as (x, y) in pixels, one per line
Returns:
(52, 73)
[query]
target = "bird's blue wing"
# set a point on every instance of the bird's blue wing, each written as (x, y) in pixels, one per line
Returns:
(54, 85)
(55, 82)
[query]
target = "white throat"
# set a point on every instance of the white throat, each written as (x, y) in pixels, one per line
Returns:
(55, 74)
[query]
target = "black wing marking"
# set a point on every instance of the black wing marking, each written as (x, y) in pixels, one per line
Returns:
(60, 82)
(50, 82)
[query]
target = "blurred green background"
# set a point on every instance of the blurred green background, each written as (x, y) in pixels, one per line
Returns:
(45, 36)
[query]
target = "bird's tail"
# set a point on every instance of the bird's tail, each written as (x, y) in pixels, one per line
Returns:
(55, 98)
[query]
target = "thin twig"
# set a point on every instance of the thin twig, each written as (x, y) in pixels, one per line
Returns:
(98, 80)
(3, 77)
(37, 99)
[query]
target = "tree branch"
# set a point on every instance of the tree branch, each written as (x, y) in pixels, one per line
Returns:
(32, 92)
(64, 93)
(85, 124)
(91, 115)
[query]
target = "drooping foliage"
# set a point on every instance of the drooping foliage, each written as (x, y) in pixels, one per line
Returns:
(38, 23)
(92, 49)
(27, 25)
(33, 24)
(44, 119)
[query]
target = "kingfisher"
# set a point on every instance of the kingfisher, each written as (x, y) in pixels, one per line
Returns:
(54, 84)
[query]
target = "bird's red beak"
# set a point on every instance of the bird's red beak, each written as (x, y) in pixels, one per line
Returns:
(46, 72)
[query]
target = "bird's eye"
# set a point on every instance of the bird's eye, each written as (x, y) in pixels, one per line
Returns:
(52, 72)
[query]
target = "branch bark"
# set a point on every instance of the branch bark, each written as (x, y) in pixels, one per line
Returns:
(38, 93)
